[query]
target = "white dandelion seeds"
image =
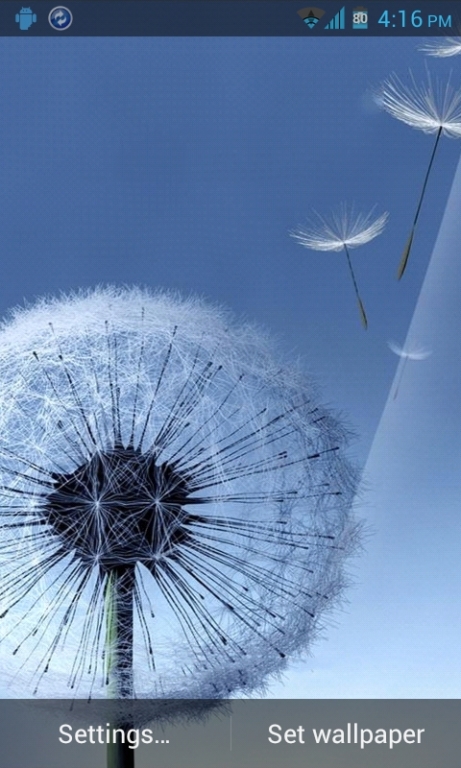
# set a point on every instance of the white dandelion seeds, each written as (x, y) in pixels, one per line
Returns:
(413, 352)
(442, 48)
(432, 107)
(344, 229)
(175, 505)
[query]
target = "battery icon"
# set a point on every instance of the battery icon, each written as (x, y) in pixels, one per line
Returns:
(359, 18)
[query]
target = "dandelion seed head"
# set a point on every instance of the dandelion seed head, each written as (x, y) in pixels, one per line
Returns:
(412, 352)
(428, 106)
(344, 227)
(153, 439)
(442, 48)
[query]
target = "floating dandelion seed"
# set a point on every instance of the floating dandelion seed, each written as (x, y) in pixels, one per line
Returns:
(175, 506)
(408, 353)
(343, 230)
(443, 48)
(432, 108)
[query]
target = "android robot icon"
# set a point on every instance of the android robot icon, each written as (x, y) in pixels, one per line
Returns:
(25, 18)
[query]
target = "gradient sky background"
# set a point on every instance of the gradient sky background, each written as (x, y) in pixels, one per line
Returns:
(184, 163)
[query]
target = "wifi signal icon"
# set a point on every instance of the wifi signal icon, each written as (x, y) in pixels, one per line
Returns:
(311, 16)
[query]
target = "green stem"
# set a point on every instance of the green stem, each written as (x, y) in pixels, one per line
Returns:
(119, 654)
(120, 756)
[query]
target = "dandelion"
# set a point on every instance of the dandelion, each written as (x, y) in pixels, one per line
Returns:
(443, 48)
(407, 353)
(175, 505)
(432, 108)
(343, 230)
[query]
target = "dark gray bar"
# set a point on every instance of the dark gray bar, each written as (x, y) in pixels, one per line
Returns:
(235, 734)
(105, 18)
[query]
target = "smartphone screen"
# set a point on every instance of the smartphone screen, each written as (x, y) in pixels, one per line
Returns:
(229, 384)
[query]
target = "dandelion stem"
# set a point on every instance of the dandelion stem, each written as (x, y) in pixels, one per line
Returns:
(407, 249)
(363, 316)
(119, 652)
(399, 380)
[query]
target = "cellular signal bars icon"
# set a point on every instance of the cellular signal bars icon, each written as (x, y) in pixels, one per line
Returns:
(338, 21)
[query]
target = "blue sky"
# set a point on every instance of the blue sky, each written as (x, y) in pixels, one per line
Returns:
(183, 164)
